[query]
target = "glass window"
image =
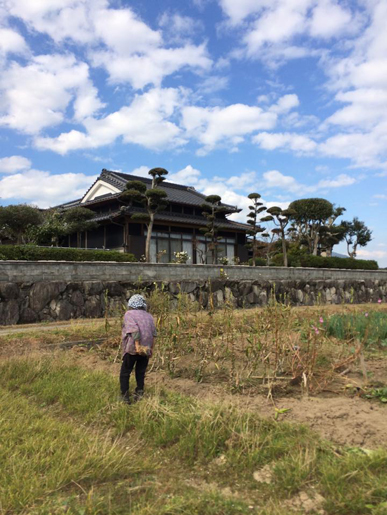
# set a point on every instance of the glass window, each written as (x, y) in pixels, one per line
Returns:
(200, 252)
(163, 244)
(153, 250)
(230, 250)
(175, 247)
(188, 247)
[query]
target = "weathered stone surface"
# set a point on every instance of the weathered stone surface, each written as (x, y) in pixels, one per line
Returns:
(93, 308)
(42, 293)
(77, 298)
(63, 310)
(30, 300)
(113, 289)
(92, 287)
(188, 286)
(28, 316)
(9, 312)
(9, 291)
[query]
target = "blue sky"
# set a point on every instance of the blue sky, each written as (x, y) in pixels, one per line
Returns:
(287, 98)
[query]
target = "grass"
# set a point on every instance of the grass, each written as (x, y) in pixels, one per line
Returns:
(368, 326)
(40, 454)
(199, 441)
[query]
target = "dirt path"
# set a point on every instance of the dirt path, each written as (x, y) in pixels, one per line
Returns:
(344, 419)
(351, 421)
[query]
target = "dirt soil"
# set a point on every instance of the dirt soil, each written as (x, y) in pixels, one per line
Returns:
(348, 420)
(344, 418)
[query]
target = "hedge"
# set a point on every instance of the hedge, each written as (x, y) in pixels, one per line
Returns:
(258, 261)
(308, 260)
(34, 253)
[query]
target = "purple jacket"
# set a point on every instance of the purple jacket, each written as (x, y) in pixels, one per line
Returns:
(137, 321)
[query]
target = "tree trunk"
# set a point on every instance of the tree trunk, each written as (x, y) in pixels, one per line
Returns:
(148, 238)
(315, 243)
(284, 251)
(254, 250)
(78, 240)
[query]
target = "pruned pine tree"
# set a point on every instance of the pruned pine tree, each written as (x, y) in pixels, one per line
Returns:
(78, 220)
(357, 234)
(280, 218)
(210, 231)
(153, 199)
(256, 208)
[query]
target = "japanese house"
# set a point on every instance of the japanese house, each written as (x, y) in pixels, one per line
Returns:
(177, 228)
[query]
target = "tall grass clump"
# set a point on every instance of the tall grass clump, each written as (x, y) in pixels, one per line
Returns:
(371, 326)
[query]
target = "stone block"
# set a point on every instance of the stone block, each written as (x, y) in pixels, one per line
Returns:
(77, 299)
(42, 293)
(28, 316)
(9, 312)
(9, 291)
(93, 307)
(92, 287)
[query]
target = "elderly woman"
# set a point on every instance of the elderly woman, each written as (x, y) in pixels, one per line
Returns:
(138, 334)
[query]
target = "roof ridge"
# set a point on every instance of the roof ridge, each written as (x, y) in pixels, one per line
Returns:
(165, 183)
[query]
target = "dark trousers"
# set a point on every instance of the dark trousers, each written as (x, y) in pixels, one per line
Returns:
(128, 363)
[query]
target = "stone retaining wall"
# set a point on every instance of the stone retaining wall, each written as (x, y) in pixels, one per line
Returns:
(40, 291)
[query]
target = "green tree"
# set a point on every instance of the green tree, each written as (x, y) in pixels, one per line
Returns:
(51, 230)
(280, 218)
(211, 209)
(78, 220)
(153, 199)
(357, 235)
(256, 208)
(17, 220)
(309, 216)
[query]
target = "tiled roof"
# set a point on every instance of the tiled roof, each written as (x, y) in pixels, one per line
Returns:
(176, 192)
(179, 218)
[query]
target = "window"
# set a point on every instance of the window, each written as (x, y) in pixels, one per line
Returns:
(170, 242)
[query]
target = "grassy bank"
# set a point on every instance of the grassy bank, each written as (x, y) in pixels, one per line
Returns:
(73, 420)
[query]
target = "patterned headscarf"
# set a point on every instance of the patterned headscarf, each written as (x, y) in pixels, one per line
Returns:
(137, 302)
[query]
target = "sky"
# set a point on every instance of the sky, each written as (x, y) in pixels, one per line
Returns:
(286, 98)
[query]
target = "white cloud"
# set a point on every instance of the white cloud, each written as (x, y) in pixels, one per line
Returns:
(213, 84)
(116, 39)
(371, 254)
(14, 164)
(188, 176)
(11, 42)
(274, 179)
(328, 19)
(227, 125)
(141, 171)
(296, 142)
(285, 104)
(37, 95)
(43, 188)
(60, 19)
(144, 122)
(272, 27)
(178, 28)
(151, 68)
(238, 11)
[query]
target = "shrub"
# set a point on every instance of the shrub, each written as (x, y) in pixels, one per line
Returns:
(308, 260)
(34, 253)
(258, 261)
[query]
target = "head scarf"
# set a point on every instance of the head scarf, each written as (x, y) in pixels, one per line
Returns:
(137, 302)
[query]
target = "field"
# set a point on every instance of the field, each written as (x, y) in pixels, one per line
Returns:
(268, 411)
